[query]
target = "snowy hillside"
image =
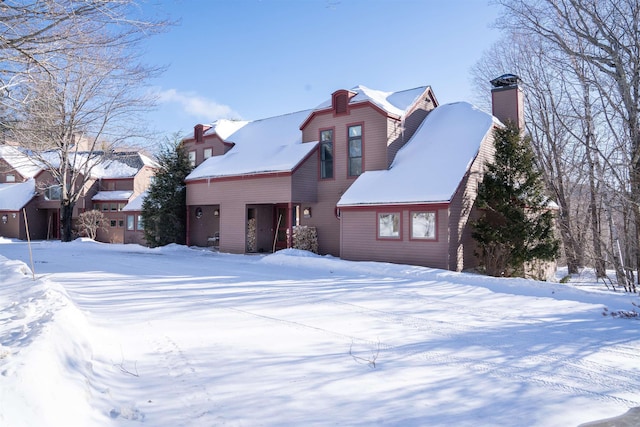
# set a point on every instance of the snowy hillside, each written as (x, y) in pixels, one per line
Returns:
(121, 335)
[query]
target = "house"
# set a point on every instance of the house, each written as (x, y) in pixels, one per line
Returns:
(134, 226)
(26, 185)
(18, 192)
(267, 176)
(119, 180)
(384, 176)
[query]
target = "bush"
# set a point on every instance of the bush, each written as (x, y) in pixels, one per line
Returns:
(90, 222)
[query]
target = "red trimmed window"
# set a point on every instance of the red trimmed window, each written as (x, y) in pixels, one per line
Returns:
(355, 150)
(326, 153)
(423, 225)
(389, 225)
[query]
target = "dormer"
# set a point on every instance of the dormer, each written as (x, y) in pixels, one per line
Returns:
(198, 132)
(340, 101)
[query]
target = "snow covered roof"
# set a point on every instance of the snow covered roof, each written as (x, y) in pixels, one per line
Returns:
(431, 165)
(262, 146)
(118, 164)
(121, 165)
(392, 102)
(15, 196)
(112, 195)
(19, 161)
(136, 203)
(225, 128)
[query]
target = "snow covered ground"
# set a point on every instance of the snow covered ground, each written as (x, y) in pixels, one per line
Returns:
(121, 335)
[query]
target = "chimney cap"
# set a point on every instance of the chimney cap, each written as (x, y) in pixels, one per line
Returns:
(505, 80)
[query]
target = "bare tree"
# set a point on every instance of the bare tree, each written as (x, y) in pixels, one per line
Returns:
(88, 87)
(558, 155)
(598, 43)
(33, 33)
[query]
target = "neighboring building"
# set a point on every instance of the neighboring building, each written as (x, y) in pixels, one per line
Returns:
(24, 185)
(18, 193)
(134, 227)
(384, 176)
(118, 181)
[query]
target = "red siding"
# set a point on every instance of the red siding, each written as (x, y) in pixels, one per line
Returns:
(463, 211)
(217, 146)
(329, 191)
(360, 242)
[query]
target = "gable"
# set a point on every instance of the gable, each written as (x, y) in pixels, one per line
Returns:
(391, 104)
(15, 160)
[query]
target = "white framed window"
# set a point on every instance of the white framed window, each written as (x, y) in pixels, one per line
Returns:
(423, 225)
(208, 152)
(389, 225)
(130, 222)
(10, 178)
(192, 158)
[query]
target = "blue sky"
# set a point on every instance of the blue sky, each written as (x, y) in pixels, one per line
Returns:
(252, 59)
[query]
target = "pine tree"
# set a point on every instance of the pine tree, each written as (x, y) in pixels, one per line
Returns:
(164, 208)
(516, 225)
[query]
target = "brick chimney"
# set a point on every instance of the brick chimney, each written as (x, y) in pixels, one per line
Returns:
(198, 132)
(507, 99)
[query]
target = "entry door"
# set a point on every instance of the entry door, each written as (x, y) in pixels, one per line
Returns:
(281, 224)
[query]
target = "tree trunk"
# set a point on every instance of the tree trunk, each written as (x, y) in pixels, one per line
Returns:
(599, 264)
(66, 221)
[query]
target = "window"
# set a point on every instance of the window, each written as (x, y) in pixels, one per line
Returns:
(10, 178)
(112, 223)
(114, 207)
(423, 225)
(355, 150)
(96, 206)
(130, 220)
(53, 193)
(121, 206)
(192, 158)
(389, 225)
(105, 207)
(120, 223)
(208, 152)
(140, 223)
(326, 153)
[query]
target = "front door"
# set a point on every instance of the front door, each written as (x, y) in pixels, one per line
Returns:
(281, 224)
